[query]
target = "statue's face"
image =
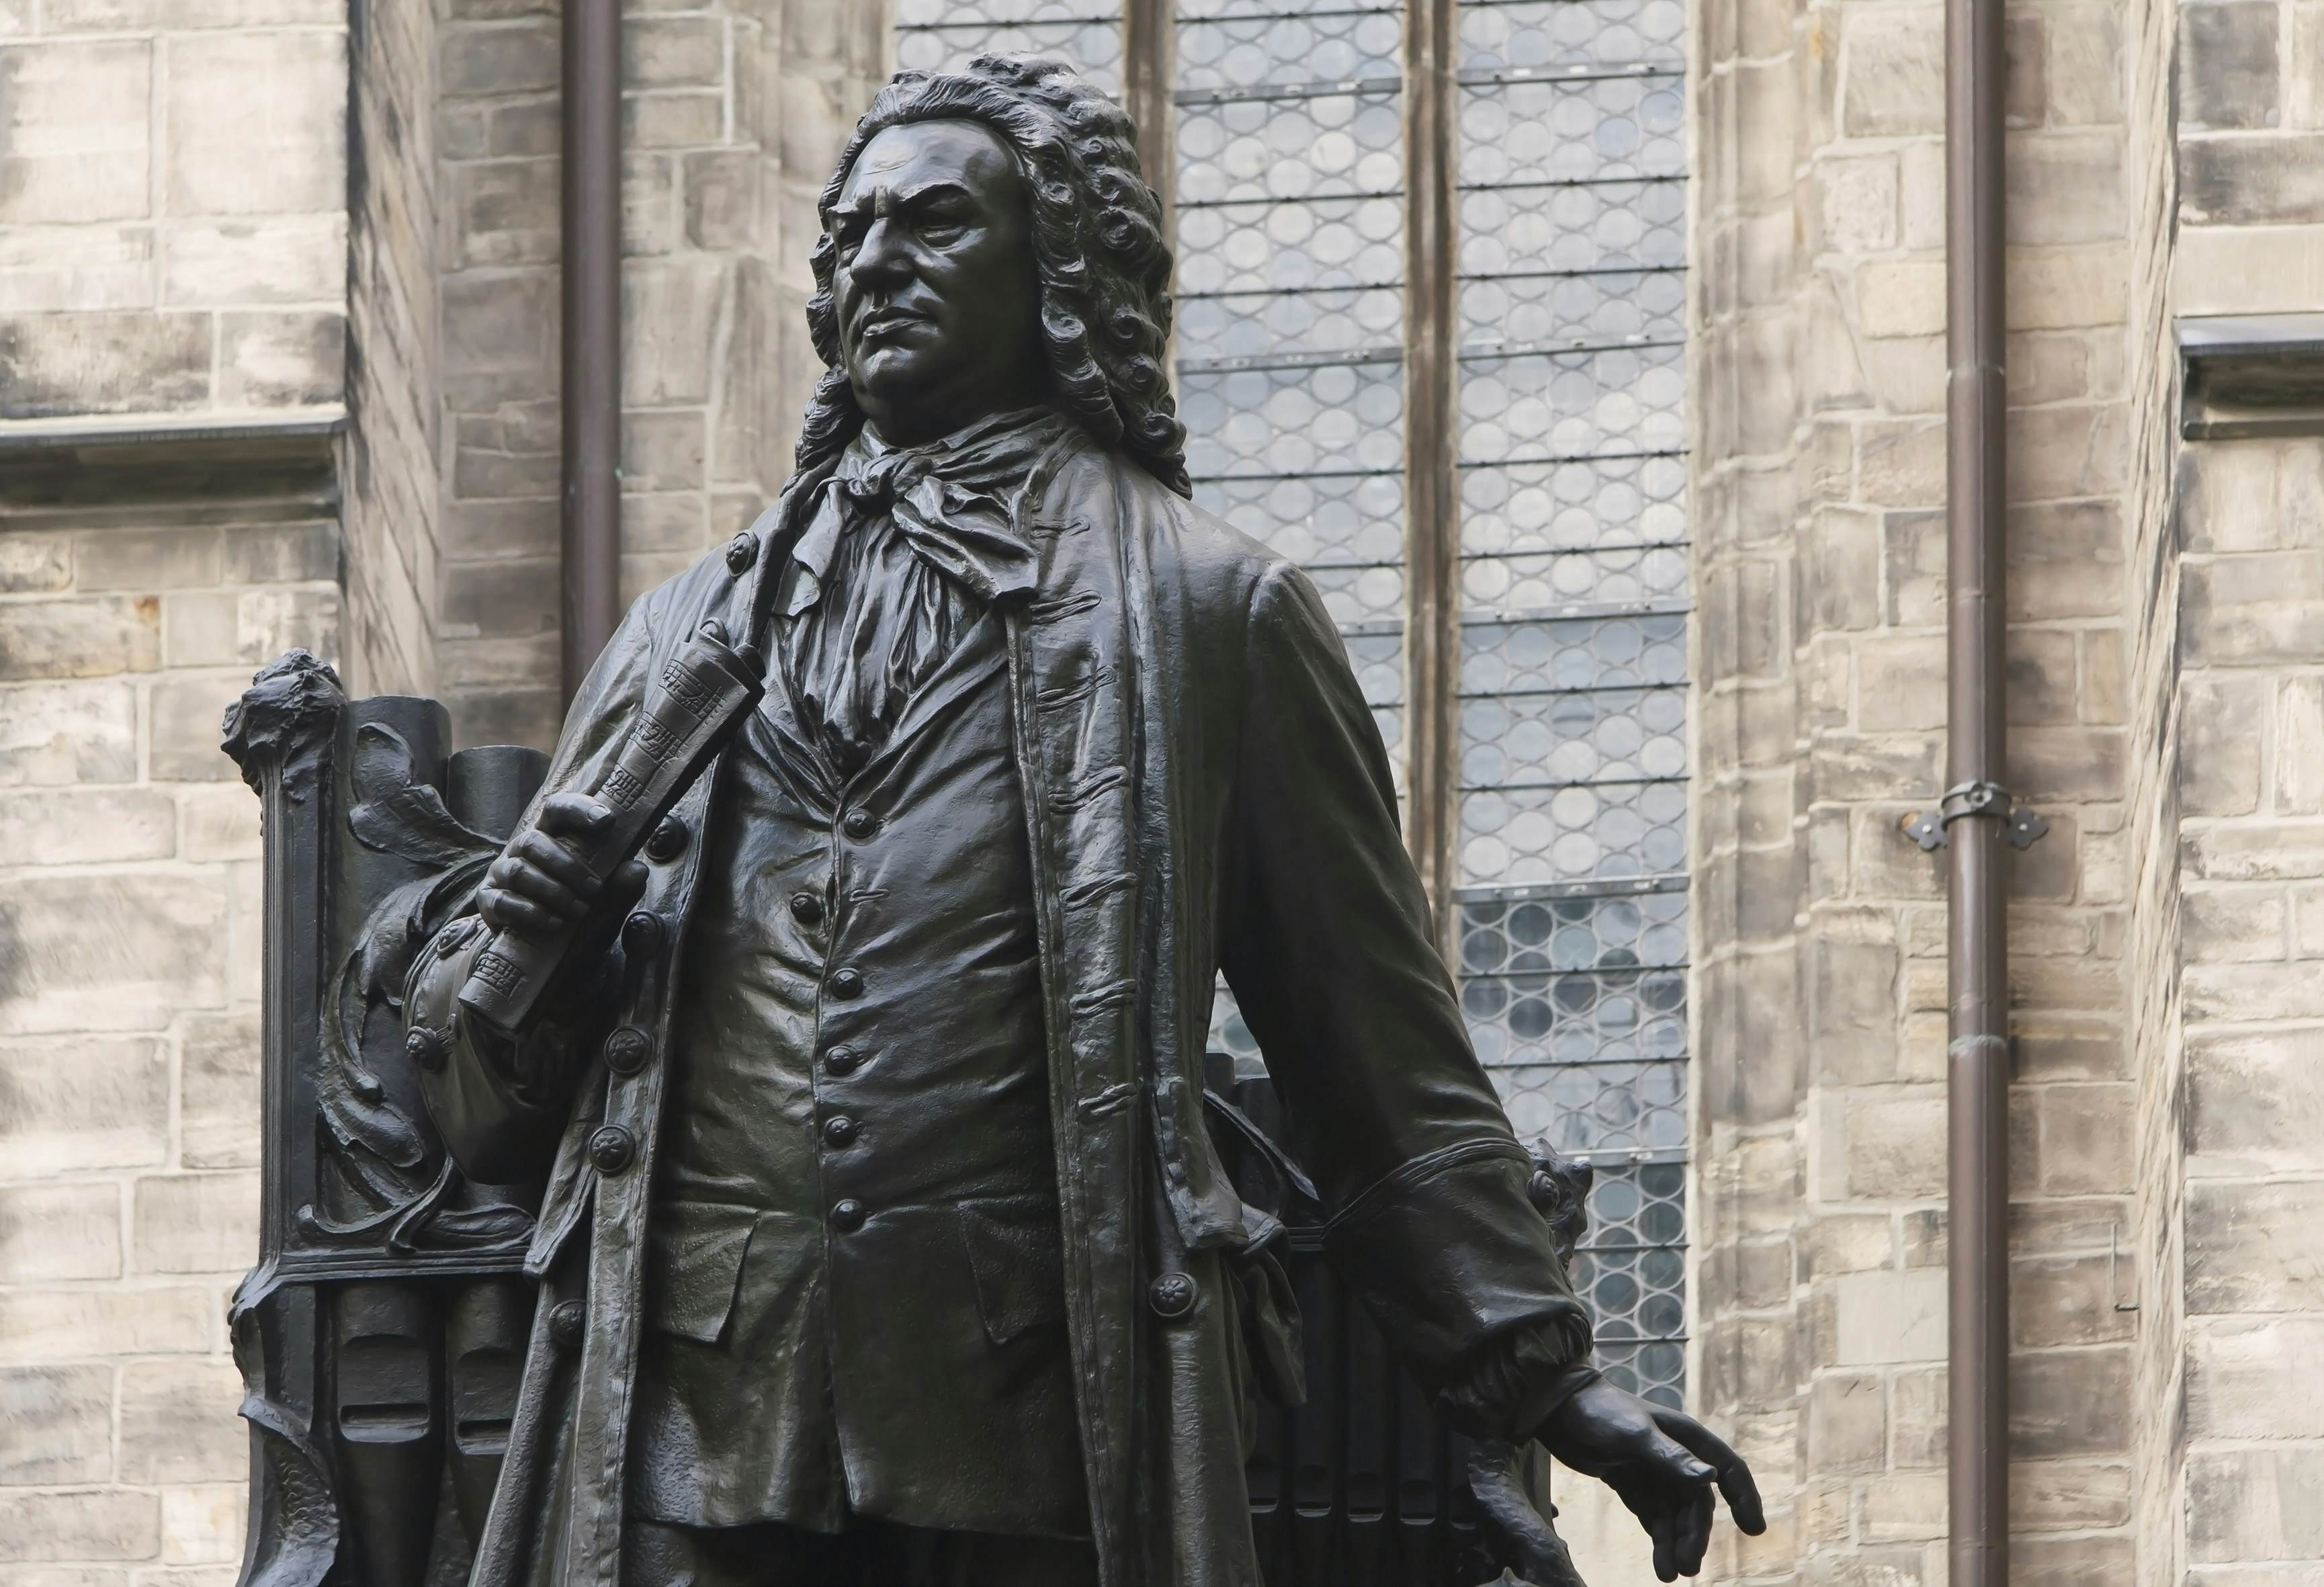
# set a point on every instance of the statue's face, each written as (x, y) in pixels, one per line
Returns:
(938, 303)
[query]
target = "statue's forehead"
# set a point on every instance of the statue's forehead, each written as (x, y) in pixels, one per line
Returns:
(901, 161)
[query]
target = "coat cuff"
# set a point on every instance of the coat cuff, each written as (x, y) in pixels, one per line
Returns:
(1449, 1255)
(1513, 1382)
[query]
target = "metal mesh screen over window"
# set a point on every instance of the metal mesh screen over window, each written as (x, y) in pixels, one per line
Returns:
(1568, 336)
(1572, 734)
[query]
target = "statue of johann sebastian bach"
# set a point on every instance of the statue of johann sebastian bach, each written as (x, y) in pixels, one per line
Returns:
(884, 1241)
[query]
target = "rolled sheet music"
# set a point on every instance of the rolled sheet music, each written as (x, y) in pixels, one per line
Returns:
(706, 692)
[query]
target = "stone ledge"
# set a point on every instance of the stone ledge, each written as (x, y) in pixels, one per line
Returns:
(2247, 375)
(96, 460)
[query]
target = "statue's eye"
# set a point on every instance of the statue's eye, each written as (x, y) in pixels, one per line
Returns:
(942, 230)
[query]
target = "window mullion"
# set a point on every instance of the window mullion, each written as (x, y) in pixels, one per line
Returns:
(1149, 70)
(1431, 497)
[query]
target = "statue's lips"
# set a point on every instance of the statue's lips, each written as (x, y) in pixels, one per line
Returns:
(888, 324)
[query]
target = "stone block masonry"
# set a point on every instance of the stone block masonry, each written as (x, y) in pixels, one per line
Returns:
(129, 978)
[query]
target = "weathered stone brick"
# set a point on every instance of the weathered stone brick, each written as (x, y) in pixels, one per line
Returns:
(197, 629)
(45, 1326)
(1848, 1423)
(2064, 188)
(670, 310)
(1887, 1318)
(217, 822)
(2232, 924)
(55, 365)
(2065, 1300)
(195, 1223)
(2222, 726)
(2256, 1504)
(35, 564)
(112, 952)
(2250, 1107)
(138, 561)
(91, 637)
(1904, 1506)
(183, 713)
(2068, 1495)
(2275, 851)
(2069, 1402)
(53, 734)
(85, 826)
(2250, 991)
(82, 1524)
(56, 1425)
(281, 553)
(2082, 1562)
(1895, 81)
(269, 622)
(76, 1102)
(281, 358)
(68, 153)
(2227, 65)
(507, 212)
(178, 1420)
(218, 1110)
(2087, 1138)
(203, 1525)
(2251, 181)
(284, 148)
(51, 1231)
(2237, 1385)
(272, 259)
(2254, 1248)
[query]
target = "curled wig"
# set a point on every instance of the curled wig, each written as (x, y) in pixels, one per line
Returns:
(1100, 257)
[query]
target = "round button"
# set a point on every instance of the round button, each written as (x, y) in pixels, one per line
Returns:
(847, 1216)
(841, 1060)
(566, 1320)
(846, 985)
(741, 552)
(642, 934)
(806, 908)
(627, 1050)
(669, 840)
(611, 1149)
(426, 1048)
(860, 824)
(839, 1129)
(1173, 1295)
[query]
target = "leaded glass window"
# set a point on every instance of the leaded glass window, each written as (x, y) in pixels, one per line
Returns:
(1559, 793)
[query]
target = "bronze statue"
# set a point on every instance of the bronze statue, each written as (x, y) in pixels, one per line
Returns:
(886, 1231)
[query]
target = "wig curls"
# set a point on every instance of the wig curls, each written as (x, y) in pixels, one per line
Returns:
(1104, 267)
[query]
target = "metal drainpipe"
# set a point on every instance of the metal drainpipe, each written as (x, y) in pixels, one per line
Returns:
(1977, 809)
(590, 581)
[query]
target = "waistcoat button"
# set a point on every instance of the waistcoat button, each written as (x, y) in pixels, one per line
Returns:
(860, 824)
(1173, 1296)
(627, 1050)
(566, 1319)
(741, 552)
(641, 934)
(847, 1216)
(669, 840)
(839, 1129)
(806, 908)
(426, 1048)
(841, 1060)
(611, 1149)
(846, 985)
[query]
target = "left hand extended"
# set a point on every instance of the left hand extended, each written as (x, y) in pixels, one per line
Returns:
(1661, 1463)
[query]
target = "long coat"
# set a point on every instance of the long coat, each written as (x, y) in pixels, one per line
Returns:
(1204, 789)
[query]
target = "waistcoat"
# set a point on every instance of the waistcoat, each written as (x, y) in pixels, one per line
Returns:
(855, 1293)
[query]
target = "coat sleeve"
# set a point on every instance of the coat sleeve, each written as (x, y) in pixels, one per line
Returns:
(1324, 938)
(501, 1105)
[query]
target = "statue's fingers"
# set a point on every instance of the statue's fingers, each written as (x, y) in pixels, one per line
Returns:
(1693, 1529)
(1664, 1531)
(1740, 1488)
(572, 815)
(513, 911)
(545, 853)
(628, 883)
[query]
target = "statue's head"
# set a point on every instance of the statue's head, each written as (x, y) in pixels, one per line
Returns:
(988, 242)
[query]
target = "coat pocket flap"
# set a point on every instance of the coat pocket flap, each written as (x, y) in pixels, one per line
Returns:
(694, 1256)
(1019, 1258)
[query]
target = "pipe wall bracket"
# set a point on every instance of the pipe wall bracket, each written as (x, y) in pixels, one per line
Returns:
(2021, 825)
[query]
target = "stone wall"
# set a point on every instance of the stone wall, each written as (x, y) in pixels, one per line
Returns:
(1820, 657)
(733, 111)
(2233, 1176)
(129, 976)
(173, 270)
(172, 212)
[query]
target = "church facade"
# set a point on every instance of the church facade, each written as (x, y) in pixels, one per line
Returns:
(1621, 473)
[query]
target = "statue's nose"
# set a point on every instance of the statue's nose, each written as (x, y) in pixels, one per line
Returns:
(880, 257)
